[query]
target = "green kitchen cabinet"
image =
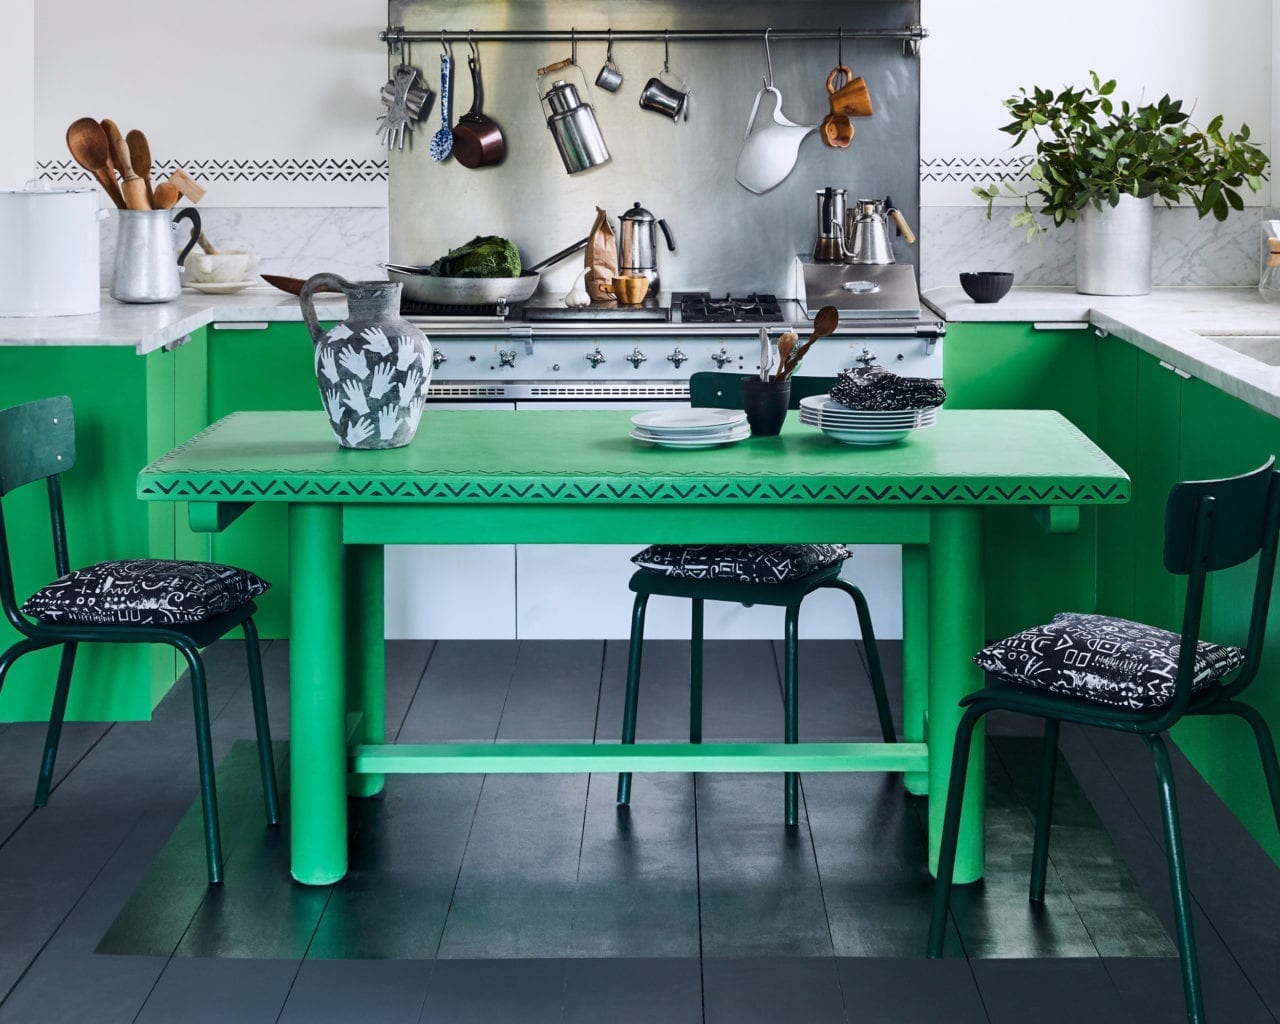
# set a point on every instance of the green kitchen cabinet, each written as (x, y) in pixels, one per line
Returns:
(252, 367)
(1021, 366)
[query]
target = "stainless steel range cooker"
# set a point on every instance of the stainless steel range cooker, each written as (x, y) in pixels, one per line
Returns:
(544, 353)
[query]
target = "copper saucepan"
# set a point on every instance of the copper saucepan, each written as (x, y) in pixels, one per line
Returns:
(477, 139)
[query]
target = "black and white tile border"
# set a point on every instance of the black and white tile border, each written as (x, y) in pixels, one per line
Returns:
(269, 170)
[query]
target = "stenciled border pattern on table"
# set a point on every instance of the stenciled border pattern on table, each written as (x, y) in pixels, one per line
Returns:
(277, 169)
(543, 490)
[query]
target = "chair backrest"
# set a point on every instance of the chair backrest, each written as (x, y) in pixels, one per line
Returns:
(717, 389)
(1212, 525)
(37, 442)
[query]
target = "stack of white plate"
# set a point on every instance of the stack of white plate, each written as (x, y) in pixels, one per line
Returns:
(690, 428)
(863, 426)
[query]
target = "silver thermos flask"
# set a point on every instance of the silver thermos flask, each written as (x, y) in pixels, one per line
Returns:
(573, 126)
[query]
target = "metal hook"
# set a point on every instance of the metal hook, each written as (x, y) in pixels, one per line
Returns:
(475, 50)
(573, 45)
(443, 45)
(666, 49)
(839, 47)
(768, 55)
(608, 53)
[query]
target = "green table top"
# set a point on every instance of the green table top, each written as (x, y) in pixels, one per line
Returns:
(982, 457)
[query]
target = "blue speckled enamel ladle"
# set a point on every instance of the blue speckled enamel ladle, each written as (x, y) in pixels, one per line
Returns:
(442, 140)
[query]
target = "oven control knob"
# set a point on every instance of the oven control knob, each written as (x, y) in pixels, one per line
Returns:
(438, 357)
(507, 357)
(867, 358)
(636, 358)
(677, 358)
(722, 357)
(596, 357)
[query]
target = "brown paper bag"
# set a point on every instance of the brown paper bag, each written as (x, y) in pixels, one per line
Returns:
(601, 258)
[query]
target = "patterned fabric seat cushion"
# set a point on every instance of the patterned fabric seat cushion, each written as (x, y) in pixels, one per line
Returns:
(144, 592)
(1102, 659)
(746, 563)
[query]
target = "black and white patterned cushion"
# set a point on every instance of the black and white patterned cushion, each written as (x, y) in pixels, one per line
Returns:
(1104, 660)
(144, 592)
(875, 388)
(745, 563)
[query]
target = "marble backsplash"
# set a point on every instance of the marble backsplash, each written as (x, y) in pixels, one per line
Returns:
(293, 241)
(300, 241)
(1186, 251)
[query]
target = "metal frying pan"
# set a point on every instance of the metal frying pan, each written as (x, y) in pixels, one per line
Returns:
(421, 285)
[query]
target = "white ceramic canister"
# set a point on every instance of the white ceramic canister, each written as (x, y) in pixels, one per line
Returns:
(49, 264)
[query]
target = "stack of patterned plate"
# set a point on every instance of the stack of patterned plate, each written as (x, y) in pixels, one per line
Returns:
(691, 428)
(863, 426)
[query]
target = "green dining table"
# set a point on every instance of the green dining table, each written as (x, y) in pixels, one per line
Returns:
(576, 477)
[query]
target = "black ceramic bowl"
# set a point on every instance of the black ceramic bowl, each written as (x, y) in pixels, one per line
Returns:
(987, 285)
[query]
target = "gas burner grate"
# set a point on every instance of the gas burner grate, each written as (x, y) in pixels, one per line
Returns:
(410, 307)
(701, 308)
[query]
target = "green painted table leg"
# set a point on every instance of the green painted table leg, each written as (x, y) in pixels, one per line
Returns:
(955, 635)
(915, 654)
(317, 698)
(366, 655)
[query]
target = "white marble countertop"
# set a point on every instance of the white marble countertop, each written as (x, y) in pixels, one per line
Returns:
(149, 326)
(1168, 323)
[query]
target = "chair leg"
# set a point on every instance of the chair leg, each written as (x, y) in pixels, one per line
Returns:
(54, 733)
(204, 759)
(1266, 750)
(1178, 880)
(633, 689)
(695, 671)
(262, 724)
(874, 668)
(791, 782)
(951, 830)
(1044, 813)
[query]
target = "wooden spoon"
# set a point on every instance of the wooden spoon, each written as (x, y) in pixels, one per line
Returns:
(827, 320)
(166, 196)
(133, 187)
(786, 344)
(140, 159)
(89, 148)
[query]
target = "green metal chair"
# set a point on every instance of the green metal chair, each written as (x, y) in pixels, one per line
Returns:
(37, 442)
(724, 391)
(1209, 525)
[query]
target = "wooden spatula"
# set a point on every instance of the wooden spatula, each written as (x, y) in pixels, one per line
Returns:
(133, 187)
(140, 160)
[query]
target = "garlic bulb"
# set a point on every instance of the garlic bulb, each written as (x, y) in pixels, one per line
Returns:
(578, 297)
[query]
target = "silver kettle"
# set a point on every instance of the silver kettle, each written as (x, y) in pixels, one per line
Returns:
(869, 231)
(638, 244)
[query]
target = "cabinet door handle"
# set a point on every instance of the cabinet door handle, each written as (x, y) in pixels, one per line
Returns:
(243, 325)
(1173, 369)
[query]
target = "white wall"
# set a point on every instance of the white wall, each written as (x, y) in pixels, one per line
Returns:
(18, 87)
(1216, 56)
(266, 103)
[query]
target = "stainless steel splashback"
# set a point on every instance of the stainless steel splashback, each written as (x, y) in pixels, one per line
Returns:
(727, 238)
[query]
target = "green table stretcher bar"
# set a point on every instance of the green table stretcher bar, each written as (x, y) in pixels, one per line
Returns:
(554, 477)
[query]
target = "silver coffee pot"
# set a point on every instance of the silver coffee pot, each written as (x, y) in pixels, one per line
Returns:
(638, 244)
(869, 231)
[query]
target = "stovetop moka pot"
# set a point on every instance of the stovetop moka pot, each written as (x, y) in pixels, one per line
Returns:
(638, 244)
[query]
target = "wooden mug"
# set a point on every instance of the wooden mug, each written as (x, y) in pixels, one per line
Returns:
(836, 131)
(850, 99)
(629, 289)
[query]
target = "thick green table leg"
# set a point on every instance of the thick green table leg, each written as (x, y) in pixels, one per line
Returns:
(915, 654)
(955, 635)
(317, 698)
(366, 655)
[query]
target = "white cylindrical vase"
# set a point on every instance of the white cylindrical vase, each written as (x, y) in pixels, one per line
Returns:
(1113, 248)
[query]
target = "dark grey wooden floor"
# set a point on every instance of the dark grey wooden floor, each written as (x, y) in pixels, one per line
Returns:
(529, 898)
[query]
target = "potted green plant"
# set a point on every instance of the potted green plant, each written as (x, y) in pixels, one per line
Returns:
(1100, 162)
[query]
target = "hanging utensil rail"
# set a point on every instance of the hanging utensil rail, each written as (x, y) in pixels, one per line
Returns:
(394, 35)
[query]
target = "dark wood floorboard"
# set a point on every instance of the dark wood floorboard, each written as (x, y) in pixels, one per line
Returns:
(529, 898)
